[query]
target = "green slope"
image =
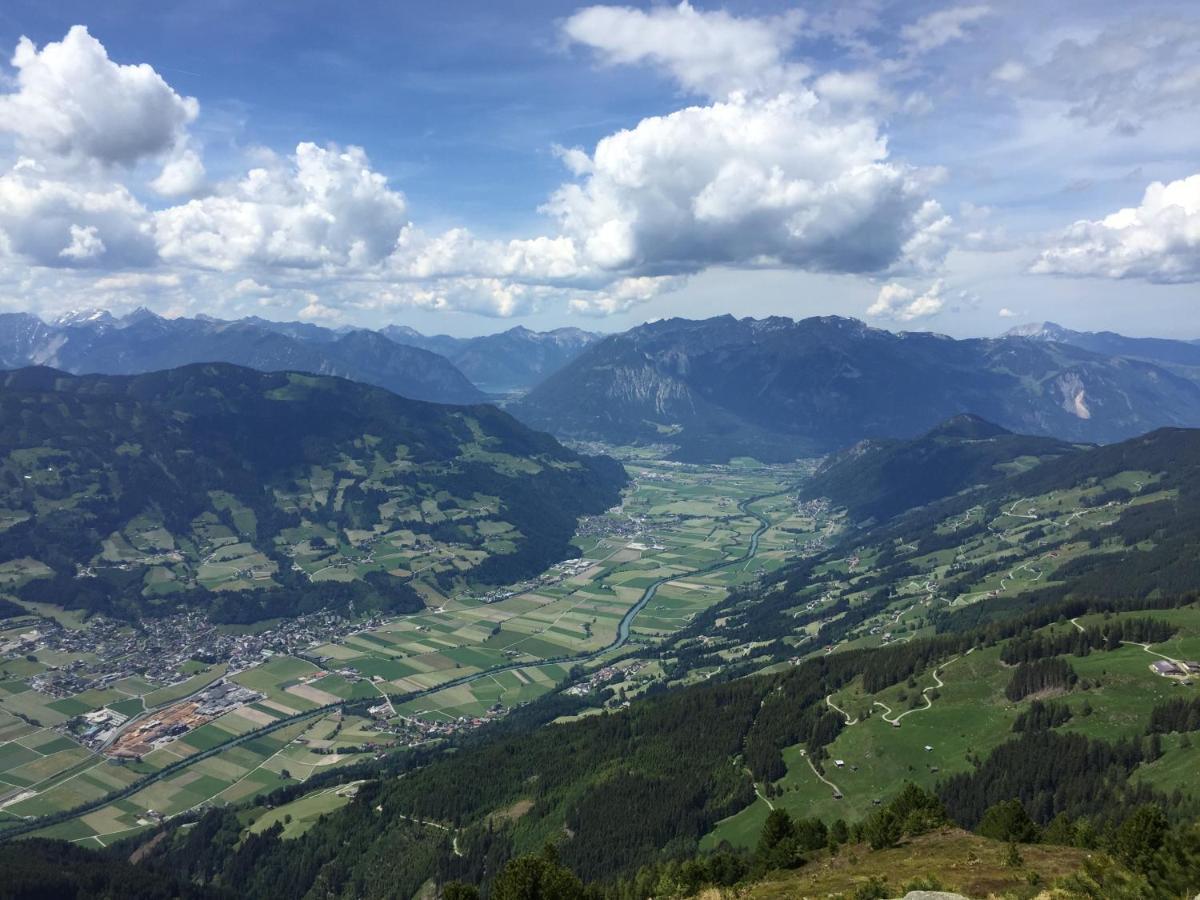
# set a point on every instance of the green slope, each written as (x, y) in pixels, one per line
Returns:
(881, 479)
(680, 770)
(260, 495)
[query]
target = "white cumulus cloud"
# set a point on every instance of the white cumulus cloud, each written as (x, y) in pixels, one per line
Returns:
(72, 101)
(903, 304)
(85, 243)
(712, 53)
(320, 207)
(56, 223)
(316, 311)
(1157, 241)
(774, 168)
(494, 297)
(182, 175)
(748, 181)
(458, 253)
(622, 295)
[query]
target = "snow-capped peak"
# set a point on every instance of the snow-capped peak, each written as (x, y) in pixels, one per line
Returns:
(1042, 331)
(85, 317)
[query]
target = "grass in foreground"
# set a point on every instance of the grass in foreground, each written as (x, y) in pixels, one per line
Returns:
(961, 862)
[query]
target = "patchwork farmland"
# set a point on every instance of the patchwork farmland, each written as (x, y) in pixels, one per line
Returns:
(469, 656)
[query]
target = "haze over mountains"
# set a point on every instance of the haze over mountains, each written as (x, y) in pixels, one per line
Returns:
(777, 388)
(1180, 356)
(99, 343)
(508, 361)
(773, 388)
(439, 368)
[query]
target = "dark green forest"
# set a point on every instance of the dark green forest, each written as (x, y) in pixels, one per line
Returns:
(82, 457)
(623, 798)
(882, 478)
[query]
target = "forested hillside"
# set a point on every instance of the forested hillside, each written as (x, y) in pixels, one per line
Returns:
(788, 721)
(1117, 522)
(880, 479)
(621, 793)
(255, 495)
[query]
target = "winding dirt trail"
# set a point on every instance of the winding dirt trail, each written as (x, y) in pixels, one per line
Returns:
(895, 719)
(837, 791)
(761, 796)
(1146, 647)
(829, 702)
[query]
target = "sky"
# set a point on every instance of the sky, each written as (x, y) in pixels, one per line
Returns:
(468, 167)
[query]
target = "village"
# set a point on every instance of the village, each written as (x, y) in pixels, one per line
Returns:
(163, 651)
(603, 676)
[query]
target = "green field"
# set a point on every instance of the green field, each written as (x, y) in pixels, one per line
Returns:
(968, 717)
(689, 520)
(675, 523)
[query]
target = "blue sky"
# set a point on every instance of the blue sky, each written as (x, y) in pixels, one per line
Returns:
(467, 167)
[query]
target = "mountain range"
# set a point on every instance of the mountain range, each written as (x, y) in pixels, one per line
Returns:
(144, 342)
(1179, 356)
(440, 368)
(776, 388)
(708, 389)
(502, 363)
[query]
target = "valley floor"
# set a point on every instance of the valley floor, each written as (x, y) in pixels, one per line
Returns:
(681, 539)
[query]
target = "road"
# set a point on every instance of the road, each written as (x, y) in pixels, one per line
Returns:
(625, 626)
(829, 702)
(621, 639)
(895, 720)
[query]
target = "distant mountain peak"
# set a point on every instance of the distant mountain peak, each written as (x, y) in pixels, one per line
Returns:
(85, 316)
(403, 330)
(1045, 331)
(1179, 356)
(141, 314)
